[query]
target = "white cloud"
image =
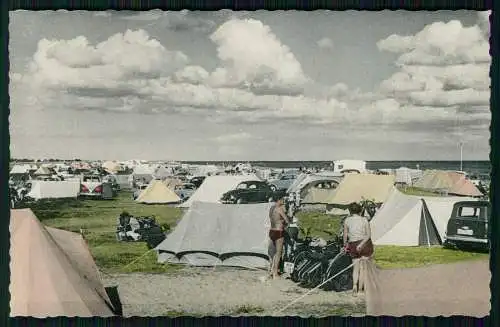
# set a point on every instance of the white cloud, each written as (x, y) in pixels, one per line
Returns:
(258, 79)
(253, 57)
(325, 43)
(445, 66)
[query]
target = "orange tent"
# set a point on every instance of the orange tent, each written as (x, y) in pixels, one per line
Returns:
(52, 272)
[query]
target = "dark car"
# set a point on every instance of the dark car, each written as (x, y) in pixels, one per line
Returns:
(251, 192)
(468, 225)
(197, 180)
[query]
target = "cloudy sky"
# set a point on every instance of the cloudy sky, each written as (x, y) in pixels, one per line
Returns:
(250, 85)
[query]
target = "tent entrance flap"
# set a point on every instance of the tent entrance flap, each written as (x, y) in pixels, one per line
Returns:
(428, 232)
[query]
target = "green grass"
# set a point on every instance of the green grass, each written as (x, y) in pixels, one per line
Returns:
(98, 220)
(387, 256)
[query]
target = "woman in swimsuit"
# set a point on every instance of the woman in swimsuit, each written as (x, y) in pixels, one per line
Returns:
(279, 220)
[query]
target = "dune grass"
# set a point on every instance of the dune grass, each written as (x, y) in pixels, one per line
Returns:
(98, 219)
(387, 256)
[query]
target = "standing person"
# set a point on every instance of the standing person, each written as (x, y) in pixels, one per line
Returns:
(279, 220)
(358, 243)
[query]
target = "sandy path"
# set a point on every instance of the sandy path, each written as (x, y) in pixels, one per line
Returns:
(204, 291)
(445, 289)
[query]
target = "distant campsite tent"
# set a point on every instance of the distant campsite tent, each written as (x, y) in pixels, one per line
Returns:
(52, 272)
(407, 220)
(447, 181)
(54, 189)
(171, 183)
(20, 169)
(157, 192)
(111, 167)
(405, 175)
(143, 172)
(312, 194)
(213, 187)
(356, 187)
(304, 180)
(162, 172)
(43, 171)
(211, 234)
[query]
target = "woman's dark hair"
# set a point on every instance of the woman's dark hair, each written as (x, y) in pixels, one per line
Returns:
(355, 208)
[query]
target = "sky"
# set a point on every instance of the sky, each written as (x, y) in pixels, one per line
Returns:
(224, 85)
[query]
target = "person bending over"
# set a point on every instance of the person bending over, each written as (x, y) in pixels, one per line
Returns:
(279, 220)
(357, 241)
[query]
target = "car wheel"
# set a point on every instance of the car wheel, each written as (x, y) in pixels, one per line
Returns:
(239, 201)
(273, 188)
(270, 199)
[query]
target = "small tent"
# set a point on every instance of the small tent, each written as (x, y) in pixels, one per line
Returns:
(157, 193)
(52, 272)
(212, 234)
(405, 221)
(43, 171)
(54, 189)
(356, 187)
(408, 220)
(213, 187)
(171, 183)
(407, 176)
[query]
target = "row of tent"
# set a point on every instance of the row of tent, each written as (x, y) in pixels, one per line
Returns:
(212, 234)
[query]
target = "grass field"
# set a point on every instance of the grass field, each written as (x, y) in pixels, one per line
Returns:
(98, 220)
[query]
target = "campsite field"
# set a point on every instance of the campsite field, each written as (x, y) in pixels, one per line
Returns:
(149, 288)
(98, 219)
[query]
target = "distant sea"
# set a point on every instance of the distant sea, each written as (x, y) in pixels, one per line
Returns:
(477, 167)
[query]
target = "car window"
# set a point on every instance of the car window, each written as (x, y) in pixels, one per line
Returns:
(253, 186)
(241, 186)
(469, 212)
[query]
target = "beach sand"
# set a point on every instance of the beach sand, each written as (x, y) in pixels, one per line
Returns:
(225, 291)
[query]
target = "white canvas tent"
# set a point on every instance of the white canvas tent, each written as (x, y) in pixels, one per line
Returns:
(213, 187)
(52, 272)
(157, 193)
(212, 234)
(54, 189)
(407, 220)
(405, 175)
(20, 169)
(42, 171)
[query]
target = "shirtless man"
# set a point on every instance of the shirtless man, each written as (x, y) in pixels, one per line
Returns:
(279, 220)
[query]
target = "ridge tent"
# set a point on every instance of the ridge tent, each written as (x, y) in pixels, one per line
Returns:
(162, 172)
(211, 234)
(213, 187)
(408, 220)
(356, 187)
(43, 171)
(52, 272)
(157, 192)
(54, 189)
(20, 169)
(405, 221)
(449, 181)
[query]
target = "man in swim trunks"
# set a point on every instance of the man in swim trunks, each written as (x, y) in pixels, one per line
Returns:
(279, 220)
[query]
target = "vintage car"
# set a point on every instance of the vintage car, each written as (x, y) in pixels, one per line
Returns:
(283, 182)
(91, 186)
(468, 225)
(185, 190)
(251, 192)
(197, 180)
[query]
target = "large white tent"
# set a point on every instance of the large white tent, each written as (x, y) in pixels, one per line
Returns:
(54, 189)
(407, 220)
(212, 234)
(356, 187)
(213, 187)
